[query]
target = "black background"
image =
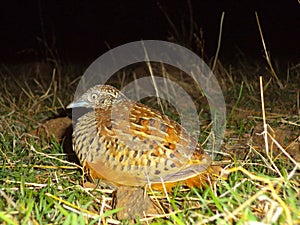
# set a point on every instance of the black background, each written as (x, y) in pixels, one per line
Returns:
(81, 30)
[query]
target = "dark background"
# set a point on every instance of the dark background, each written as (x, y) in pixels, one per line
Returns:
(83, 30)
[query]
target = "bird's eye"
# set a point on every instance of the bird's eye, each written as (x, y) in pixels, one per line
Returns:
(94, 96)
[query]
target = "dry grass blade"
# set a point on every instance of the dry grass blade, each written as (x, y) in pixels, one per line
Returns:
(219, 42)
(267, 54)
(153, 79)
(265, 126)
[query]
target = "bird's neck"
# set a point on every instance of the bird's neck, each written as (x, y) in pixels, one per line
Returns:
(103, 117)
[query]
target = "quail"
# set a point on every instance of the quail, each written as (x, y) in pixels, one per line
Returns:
(126, 143)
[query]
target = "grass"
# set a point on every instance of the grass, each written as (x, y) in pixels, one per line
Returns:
(39, 184)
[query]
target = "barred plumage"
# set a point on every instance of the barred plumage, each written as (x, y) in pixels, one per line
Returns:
(128, 143)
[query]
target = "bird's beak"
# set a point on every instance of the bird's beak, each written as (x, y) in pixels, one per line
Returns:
(78, 103)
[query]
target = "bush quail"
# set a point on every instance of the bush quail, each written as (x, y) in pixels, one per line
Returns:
(126, 143)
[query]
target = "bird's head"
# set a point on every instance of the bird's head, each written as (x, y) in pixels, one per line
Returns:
(99, 97)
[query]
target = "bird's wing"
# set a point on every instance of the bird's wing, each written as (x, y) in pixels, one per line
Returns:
(152, 146)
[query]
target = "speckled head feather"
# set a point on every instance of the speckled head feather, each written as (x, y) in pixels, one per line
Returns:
(99, 97)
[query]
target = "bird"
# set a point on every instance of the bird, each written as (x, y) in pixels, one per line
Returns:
(127, 143)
